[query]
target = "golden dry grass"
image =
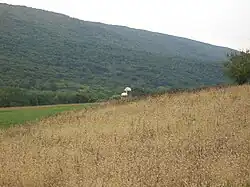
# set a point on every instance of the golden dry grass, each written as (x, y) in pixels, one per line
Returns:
(188, 139)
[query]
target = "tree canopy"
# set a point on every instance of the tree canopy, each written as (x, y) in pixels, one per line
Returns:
(46, 52)
(238, 67)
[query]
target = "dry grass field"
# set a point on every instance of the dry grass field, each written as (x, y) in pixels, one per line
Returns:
(187, 139)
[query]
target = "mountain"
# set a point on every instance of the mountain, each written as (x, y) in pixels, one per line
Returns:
(42, 50)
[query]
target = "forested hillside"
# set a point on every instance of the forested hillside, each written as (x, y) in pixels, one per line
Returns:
(45, 51)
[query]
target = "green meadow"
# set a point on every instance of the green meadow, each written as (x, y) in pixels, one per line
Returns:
(21, 115)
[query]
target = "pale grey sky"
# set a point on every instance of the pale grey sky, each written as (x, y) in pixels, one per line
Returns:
(219, 22)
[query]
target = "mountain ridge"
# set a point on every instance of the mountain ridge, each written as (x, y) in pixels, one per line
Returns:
(117, 25)
(48, 51)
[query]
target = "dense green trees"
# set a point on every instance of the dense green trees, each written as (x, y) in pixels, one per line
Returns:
(238, 67)
(21, 97)
(10, 97)
(50, 54)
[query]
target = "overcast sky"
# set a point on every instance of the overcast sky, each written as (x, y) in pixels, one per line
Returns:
(219, 22)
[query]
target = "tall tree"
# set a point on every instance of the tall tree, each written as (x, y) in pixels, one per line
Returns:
(238, 67)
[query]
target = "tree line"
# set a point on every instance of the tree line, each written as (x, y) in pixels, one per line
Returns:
(10, 97)
(237, 68)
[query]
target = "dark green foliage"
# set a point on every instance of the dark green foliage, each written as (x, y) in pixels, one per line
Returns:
(141, 92)
(46, 51)
(238, 67)
(10, 97)
(115, 97)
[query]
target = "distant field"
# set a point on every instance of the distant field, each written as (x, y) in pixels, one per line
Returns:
(199, 139)
(19, 115)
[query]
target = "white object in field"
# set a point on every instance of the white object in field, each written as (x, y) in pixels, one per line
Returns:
(127, 89)
(124, 94)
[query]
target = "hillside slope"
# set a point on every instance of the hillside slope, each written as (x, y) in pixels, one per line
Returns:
(200, 139)
(48, 51)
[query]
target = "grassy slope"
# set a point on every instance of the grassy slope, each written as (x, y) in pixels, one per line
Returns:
(189, 139)
(50, 51)
(13, 116)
